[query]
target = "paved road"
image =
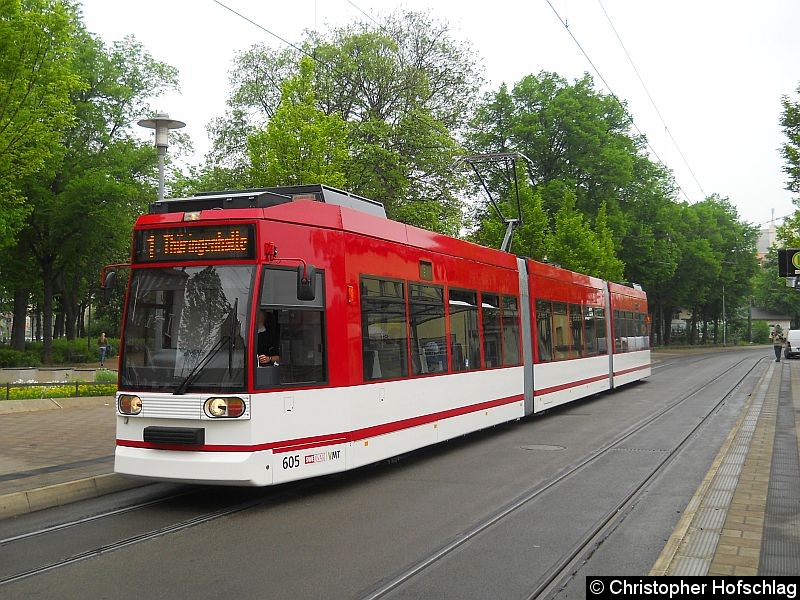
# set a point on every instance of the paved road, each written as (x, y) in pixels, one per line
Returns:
(349, 536)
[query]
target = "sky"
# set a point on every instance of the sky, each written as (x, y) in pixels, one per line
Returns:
(714, 70)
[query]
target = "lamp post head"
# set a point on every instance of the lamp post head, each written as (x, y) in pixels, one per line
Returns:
(162, 124)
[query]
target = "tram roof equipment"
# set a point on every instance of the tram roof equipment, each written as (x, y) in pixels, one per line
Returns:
(266, 197)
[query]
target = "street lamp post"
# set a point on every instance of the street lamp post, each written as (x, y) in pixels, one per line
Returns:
(162, 124)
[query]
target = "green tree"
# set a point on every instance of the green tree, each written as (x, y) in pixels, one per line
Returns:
(571, 133)
(579, 154)
(36, 80)
(574, 245)
(531, 239)
(85, 198)
(404, 88)
(717, 260)
(300, 144)
(790, 121)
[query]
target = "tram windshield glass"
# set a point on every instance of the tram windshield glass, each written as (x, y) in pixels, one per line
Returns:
(186, 329)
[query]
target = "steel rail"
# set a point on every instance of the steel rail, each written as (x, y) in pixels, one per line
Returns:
(291, 490)
(565, 568)
(531, 494)
(89, 519)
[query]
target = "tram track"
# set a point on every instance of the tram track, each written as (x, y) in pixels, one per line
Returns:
(562, 568)
(7, 544)
(557, 573)
(567, 566)
(83, 520)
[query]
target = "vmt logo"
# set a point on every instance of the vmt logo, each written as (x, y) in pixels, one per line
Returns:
(796, 260)
(322, 457)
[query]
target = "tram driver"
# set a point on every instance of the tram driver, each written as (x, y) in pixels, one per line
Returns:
(269, 338)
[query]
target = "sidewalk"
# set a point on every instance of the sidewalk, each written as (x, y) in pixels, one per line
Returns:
(56, 451)
(744, 518)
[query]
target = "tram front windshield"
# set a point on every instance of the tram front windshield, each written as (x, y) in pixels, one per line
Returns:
(186, 329)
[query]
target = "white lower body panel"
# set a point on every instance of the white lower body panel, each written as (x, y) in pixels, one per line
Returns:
(220, 468)
(631, 366)
(296, 434)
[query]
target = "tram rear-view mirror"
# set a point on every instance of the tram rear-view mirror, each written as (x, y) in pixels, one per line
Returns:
(306, 282)
(108, 285)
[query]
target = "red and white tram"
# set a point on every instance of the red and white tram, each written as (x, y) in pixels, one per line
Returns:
(390, 338)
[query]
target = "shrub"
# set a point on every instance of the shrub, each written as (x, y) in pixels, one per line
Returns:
(760, 332)
(105, 376)
(15, 358)
(65, 352)
(66, 390)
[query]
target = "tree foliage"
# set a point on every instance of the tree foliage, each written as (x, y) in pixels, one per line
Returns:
(790, 121)
(36, 82)
(599, 205)
(300, 143)
(381, 110)
(403, 89)
(83, 199)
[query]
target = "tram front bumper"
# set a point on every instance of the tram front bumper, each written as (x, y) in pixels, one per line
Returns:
(214, 468)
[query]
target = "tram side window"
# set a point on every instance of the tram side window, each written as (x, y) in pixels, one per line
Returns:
(302, 330)
(492, 337)
(464, 337)
(576, 330)
(625, 330)
(511, 355)
(645, 331)
(426, 314)
(544, 330)
(302, 347)
(630, 331)
(589, 330)
(561, 330)
(384, 338)
(602, 335)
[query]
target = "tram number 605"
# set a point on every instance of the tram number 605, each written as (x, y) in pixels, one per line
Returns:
(290, 462)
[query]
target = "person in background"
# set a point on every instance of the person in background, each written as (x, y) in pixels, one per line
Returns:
(102, 344)
(269, 339)
(778, 341)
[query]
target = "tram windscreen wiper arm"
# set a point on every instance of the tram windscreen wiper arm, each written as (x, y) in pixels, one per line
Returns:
(181, 389)
(232, 334)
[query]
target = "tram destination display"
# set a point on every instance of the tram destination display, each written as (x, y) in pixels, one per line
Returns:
(176, 244)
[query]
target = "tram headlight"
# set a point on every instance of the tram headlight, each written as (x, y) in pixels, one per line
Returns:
(129, 404)
(224, 408)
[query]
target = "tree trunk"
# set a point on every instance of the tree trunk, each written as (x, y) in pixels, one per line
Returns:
(47, 309)
(666, 319)
(21, 298)
(58, 323)
(69, 300)
(82, 320)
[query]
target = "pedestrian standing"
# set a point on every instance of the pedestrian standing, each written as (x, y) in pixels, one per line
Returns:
(778, 341)
(102, 344)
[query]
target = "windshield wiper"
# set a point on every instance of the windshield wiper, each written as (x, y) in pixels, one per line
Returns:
(212, 352)
(232, 334)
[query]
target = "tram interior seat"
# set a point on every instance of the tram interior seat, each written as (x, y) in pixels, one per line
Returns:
(372, 365)
(458, 358)
(392, 360)
(434, 360)
(384, 361)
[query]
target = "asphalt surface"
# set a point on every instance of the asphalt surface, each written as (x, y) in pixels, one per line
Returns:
(360, 533)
